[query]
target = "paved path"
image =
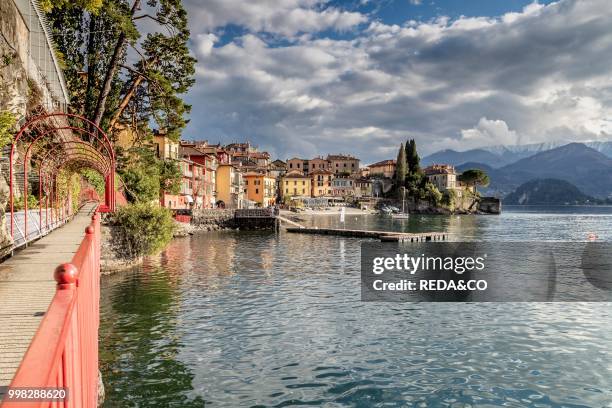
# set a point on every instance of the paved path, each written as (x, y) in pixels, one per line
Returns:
(27, 287)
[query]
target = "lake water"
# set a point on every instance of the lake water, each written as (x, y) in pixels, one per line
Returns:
(243, 319)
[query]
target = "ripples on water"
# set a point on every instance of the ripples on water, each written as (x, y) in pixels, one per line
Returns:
(257, 319)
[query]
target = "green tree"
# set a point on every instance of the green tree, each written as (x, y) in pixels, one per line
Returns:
(412, 157)
(474, 177)
(432, 194)
(7, 127)
(111, 86)
(400, 167)
(170, 176)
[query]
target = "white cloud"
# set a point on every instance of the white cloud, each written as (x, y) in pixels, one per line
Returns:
(283, 17)
(539, 75)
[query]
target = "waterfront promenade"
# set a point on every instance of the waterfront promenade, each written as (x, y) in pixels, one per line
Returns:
(27, 287)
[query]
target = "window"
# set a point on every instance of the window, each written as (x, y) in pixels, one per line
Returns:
(287, 190)
(303, 191)
(303, 183)
(256, 191)
(246, 182)
(290, 165)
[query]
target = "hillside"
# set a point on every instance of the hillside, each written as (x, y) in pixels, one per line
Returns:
(501, 155)
(576, 163)
(457, 158)
(546, 192)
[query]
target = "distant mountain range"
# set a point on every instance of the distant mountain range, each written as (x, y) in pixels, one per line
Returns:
(547, 192)
(499, 156)
(586, 168)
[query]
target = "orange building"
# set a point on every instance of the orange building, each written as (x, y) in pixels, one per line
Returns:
(260, 188)
(321, 181)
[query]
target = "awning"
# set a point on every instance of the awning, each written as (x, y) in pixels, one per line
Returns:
(189, 199)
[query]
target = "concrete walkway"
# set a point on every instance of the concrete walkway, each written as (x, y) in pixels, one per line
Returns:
(27, 287)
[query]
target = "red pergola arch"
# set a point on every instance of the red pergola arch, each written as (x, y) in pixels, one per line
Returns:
(51, 142)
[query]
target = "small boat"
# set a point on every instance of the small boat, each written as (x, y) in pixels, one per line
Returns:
(401, 215)
(386, 211)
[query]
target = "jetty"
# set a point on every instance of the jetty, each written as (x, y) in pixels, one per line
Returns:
(384, 236)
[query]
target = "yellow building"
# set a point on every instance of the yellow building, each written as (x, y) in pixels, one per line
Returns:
(229, 186)
(260, 188)
(321, 181)
(165, 148)
(385, 168)
(296, 184)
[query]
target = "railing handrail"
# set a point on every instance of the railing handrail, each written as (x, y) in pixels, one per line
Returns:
(63, 352)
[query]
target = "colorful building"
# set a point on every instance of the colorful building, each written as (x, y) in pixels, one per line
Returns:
(385, 168)
(260, 188)
(295, 184)
(443, 176)
(343, 187)
(297, 164)
(321, 181)
(343, 164)
(230, 186)
(318, 163)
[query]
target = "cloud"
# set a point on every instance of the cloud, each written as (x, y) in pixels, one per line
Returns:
(542, 74)
(282, 17)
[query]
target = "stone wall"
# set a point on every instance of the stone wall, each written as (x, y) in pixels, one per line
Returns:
(114, 254)
(213, 219)
(490, 205)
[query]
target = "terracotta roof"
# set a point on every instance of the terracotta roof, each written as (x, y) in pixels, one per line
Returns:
(439, 169)
(341, 157)
(383, 163)
(295, 174)
(321, 171)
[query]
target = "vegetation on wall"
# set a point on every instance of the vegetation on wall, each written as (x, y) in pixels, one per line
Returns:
(7, 127)
(144, 228)
(95, 179)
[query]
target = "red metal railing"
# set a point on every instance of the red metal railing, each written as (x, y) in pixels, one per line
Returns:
(64, 351)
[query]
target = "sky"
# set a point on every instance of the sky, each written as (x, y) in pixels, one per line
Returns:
(310, 77)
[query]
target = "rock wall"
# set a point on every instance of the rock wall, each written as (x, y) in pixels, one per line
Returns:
(490, 205)
(213, 219)
(115, 255)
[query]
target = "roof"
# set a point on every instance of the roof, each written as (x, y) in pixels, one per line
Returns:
(296, 174)
(340, 157)
(383, 163)
(321, 171)
(439, 169)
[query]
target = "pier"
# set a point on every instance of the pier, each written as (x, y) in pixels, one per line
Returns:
(384, 236)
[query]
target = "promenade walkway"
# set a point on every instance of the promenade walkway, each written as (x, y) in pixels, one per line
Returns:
(27, 288)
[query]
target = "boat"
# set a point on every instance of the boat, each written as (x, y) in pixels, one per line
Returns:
(386, 211)
(401, 215)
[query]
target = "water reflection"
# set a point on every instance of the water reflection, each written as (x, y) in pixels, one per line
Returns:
(263, 319)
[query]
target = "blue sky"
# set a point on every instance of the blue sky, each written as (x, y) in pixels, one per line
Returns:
(308, 77)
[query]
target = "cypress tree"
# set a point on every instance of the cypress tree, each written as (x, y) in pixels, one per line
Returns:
(400, 167)
(412, 158)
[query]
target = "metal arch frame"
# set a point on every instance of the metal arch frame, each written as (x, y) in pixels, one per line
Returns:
(96, 153)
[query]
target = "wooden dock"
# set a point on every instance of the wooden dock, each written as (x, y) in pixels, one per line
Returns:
(384, 236)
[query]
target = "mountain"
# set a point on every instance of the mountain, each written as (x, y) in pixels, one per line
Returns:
(499, 156)
(576, 163)
(457, 158)
(547, 192)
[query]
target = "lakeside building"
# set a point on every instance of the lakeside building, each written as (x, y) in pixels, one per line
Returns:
(343, 187)
(343, 164)
(260, 188)
(209, 162)
(165, 148)
(443, 176)
(277, 169)
(363, 187)
(318, 163)
(295, 184)
(321, 181)
(229, 186)
(385, 168)
(297, 164)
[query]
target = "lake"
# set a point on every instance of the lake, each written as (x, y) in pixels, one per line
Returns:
(245, 319)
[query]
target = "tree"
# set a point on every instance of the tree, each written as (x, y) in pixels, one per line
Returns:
(412, 157)
(112, 86)
(474, 177)
(400, 167)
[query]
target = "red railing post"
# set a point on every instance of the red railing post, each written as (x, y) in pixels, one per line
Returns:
(64, 351)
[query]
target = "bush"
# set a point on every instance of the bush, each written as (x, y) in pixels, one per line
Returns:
(449, 199)
(18, 203)
(144, 228)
